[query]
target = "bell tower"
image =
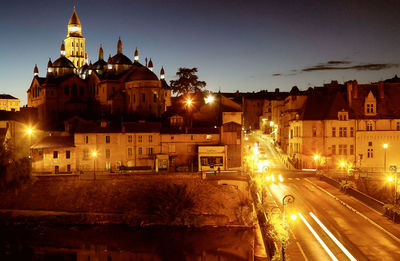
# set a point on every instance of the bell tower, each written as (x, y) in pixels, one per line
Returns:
(75, 42)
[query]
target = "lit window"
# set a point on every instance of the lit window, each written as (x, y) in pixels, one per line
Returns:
(340, 132)
(369, 126)
(108, 139)
(344, 132)
(150, 151)
(208, 137)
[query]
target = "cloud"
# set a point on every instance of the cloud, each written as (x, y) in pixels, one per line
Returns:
(341, 65)
(338, 65)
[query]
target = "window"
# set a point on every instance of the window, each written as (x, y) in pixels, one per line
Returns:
(86, 138)
(370, 143)
(140, 151)
(151, 138)
(68, 168)
(107, 139)
(314, 132)
(351, 149)
(143, 97)
(55, 154)
(130, 138)
(85, 154)
(340, 150)
(340, 132)
(333, 149)
(172, 137)
(68, 154)
(140, 138)
(108, 153)
(351, 132)
(369, 126)
(333, 132)
(129, 152)
(344, 149)
(150, 151)
(208, 137)
(154, 97)
(398, 125)
(344, 132)
(191, 137)
(370, 153)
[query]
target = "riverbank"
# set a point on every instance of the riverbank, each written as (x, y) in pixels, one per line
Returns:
(131, 200)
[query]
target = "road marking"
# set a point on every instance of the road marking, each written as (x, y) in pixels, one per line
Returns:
(347, 253)
(299, 246)
(355, 211)
(322, 243)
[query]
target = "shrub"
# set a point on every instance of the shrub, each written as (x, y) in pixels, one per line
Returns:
(171, 204)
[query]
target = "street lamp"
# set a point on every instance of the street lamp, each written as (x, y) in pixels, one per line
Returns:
(385, 146)
(316, 159)
(94, 155)
(286, 200)
(209, 99)
(29, 131)
(391, 179)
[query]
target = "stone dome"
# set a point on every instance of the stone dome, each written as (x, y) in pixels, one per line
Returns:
(120, 58)
(63, 62)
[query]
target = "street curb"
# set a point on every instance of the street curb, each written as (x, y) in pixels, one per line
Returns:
(355, 211)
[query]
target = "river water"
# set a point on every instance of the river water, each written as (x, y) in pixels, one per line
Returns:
(120, 243)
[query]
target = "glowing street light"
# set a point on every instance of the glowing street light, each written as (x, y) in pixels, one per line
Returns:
(316, 159)
(209, 99)
(385, 146)
(94, 156)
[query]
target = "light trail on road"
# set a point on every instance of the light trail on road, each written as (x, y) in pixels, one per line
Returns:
(321, 242)
(337, 242)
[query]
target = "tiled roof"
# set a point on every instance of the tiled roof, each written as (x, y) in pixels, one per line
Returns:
(7, 96)
(54, 142)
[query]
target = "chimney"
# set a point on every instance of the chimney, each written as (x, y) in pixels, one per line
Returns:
(349, 92)
(355, 88)
(381, 88)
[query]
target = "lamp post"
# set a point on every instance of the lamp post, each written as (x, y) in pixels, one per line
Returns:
(94, 155)
(385, 146)
(316, 159)
(285, 200)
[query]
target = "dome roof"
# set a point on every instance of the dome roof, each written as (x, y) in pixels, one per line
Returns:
(99, 65)
(63, 62)
(142, 74)
(120, 58)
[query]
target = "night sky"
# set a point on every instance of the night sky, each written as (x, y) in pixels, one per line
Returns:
(236, 45)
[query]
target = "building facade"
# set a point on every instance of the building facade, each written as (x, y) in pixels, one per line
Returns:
(9, 103)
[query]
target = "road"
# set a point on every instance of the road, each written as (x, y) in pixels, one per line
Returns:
(363, 237)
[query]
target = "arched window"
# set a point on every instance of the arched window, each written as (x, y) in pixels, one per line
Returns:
(369, 126)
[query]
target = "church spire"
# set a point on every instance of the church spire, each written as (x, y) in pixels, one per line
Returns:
(62, 49)
(101, 54)
(150, 65)
(162, 73)
(75, 42)
(119, 46)
(74, 25)
(136, 55)
(35, 71)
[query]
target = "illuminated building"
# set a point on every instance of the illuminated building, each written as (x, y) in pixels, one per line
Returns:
(118, 86)
(9, 103)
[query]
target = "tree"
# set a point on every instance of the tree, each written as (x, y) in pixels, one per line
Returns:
(187, 82)
(13, 172)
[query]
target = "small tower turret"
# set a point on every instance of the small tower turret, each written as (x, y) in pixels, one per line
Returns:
(119, 45)
(101, 54)
(49, 68)
(162, 73)
(136, 56)
(109, 64)
(150, 65)
(62, 49)
(35, 71)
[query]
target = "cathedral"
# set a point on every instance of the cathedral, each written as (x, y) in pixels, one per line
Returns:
(73, 86)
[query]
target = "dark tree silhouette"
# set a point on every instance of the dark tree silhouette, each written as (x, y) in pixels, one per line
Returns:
(13, 172)
(187, 82)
